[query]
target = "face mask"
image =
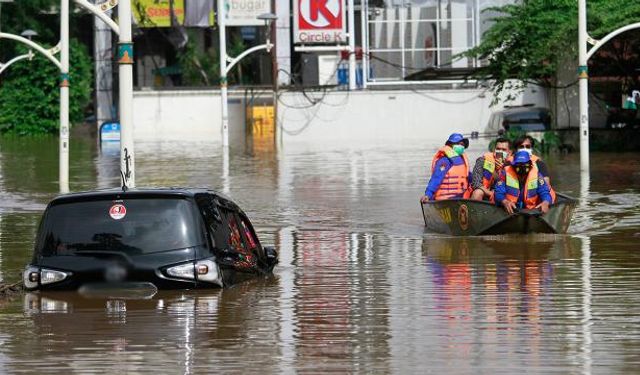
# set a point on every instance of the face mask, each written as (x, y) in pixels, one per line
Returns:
(501, 155)
(459, 149)
(522, 170)
(528, 150)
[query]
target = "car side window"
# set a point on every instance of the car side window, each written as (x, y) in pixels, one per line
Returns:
(235, 237)
(249, 234)
(246, 254)
(212, 218)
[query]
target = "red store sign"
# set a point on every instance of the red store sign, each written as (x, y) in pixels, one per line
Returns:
(319, 21)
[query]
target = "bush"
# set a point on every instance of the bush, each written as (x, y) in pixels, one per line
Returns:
(30, 93)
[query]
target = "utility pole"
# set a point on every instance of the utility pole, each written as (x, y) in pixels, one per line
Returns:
(64, 97)
(352, 45)
(125, 61)
(273, 26)
(583, 77)
(103, 71)
(222, 31)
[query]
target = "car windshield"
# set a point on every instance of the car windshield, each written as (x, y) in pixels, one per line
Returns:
(527, 117)
(527, 121)
(133, 226)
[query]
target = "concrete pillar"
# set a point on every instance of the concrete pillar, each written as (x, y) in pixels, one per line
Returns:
(103, 57)
(283, 40)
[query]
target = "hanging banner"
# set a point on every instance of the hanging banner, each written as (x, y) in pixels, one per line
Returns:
(199, 13)
(246, 12)
(157, 13)
(319, 22)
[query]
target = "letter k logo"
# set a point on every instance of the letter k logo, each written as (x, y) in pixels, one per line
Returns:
(320, 6)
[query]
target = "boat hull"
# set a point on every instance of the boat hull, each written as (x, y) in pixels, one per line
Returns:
(465, 217)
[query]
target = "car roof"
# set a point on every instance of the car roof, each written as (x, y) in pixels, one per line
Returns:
(513, 110)
(155, 192)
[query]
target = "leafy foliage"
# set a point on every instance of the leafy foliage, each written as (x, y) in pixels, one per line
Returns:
(203, 67)
(529, 40)
(29, 95)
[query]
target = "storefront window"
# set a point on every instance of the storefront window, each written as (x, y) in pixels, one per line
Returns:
(407, 36)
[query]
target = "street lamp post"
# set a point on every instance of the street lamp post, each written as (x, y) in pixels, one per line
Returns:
(29, 55)
(222, 32)
(125, 70)
(226, 68)
(64, 97)
(125, 58)
(583, 77)
(125, 61)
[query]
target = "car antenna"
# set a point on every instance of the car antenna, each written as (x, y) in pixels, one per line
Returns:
(124, 184)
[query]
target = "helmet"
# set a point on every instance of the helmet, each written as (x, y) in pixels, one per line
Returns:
(457, 138)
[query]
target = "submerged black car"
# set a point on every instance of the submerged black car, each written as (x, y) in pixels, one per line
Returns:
(170, 238)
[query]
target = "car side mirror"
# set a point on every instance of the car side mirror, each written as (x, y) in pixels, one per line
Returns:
(272, 255)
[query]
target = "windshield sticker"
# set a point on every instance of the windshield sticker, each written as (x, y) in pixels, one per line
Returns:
(117, 211)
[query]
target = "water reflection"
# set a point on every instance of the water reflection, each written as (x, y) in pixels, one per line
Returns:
(361, 287)
(179, 332)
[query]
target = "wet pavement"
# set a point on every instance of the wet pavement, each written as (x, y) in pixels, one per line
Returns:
(361, 286)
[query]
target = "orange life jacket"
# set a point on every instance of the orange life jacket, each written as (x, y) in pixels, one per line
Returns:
(488, 170)
(534, 160)
(456, 182)
(531, 199)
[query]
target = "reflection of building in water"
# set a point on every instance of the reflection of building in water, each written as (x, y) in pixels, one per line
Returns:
(323, 307)
(334, 299)
(1, 246)
(502, 281)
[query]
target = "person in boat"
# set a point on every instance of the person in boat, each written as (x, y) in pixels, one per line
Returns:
(449, 171)
(522, 186)
(526, 143)
(487, 170)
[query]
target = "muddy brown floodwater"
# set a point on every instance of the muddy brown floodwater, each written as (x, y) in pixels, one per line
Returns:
(361, 286)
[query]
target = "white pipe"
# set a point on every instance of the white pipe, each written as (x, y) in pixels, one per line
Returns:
(583, 76)
(364, 32)
(33, 45)
(64, 97)
(352, 45)
(125, 61)
(98, 13)
(417, 83)
(610, 36)
(251, 50)
(222, 23)
(4, 67)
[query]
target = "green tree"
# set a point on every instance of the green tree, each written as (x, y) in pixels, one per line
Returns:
(29, 95)
(528, 41)
(202, 68)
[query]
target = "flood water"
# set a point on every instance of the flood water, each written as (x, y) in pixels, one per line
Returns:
(361, 286)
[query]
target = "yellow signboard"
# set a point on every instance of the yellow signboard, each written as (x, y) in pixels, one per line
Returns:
(262, 128)
(157, 13)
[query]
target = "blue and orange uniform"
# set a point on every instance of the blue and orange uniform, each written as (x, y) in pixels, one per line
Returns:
(526, 196)
(449, 172)
(539, 164)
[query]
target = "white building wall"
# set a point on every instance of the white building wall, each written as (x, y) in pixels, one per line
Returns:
(186, 115)
(388, 116)
(398, 115)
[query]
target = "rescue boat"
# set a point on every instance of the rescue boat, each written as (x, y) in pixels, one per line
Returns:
(465, 217)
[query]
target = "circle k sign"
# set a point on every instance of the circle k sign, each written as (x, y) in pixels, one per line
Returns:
(319, 21)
